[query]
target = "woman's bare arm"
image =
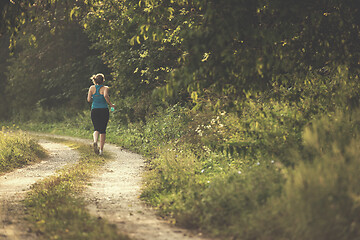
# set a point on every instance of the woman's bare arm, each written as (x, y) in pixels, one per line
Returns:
(107, 98)
(90, 93)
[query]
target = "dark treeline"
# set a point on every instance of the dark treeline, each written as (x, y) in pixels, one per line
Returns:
(46, 59)
(170, 51)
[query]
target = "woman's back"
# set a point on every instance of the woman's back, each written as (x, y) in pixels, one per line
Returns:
(98, 98)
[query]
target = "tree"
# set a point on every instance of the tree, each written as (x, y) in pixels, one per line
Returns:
(52, 63)
(248, 44)
(139, 65)
(4, 53)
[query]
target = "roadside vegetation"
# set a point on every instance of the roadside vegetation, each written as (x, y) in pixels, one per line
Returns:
(254, 174)
(247, 111)
(53, 206)
(55, 209)
(17, 150)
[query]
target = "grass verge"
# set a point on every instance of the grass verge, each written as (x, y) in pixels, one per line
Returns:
(17, 149)
(55, 209)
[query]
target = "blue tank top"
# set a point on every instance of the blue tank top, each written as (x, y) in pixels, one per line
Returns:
(98, 99)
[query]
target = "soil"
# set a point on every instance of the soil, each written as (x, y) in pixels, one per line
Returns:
(113, 195)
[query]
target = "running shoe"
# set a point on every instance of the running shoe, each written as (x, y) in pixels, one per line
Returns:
(96, 149)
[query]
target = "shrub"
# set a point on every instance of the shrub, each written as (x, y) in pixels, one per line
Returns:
(231, 202)
(172, 173)
(165, 127)
(321, 196)
(317, 197)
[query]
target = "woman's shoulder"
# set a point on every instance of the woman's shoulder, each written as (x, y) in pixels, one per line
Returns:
(100, 86)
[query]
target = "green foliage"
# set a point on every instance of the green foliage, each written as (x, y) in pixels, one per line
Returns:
(51, 63)
(4, 53)
(243, 44)
(315, 199)
(321, 196)
(200, 184)
(171, 50)
(167, 126)
(51, 73)
(61, 122)
(175, 175)
(17, 149)
(140, 65)
(160, 50)
(231, 202)
(252, 196)
(266, 127)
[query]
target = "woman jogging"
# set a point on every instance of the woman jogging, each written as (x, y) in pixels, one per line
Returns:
(99, 94)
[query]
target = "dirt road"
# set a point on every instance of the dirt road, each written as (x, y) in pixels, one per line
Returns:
(14, 185)
(113, 194)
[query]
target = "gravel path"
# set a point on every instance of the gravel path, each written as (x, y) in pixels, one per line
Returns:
(113, 194)
(14, 186)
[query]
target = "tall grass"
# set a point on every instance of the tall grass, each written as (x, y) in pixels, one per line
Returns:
(321, 196)
(17, 149)
(274, 170)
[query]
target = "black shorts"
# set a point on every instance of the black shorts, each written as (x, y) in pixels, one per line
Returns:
(100, 119)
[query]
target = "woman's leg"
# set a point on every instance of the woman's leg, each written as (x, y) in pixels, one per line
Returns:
(100, 119)
(102, 141)
(96, 136)
(95, 121)
(103, 129)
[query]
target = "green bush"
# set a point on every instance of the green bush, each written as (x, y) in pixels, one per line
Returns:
(265, 129)
(315, 197)
(321, 197)
(165, 127)
(172, 172)
(230, 202)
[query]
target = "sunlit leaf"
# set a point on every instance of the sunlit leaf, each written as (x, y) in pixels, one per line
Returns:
(132, 41)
